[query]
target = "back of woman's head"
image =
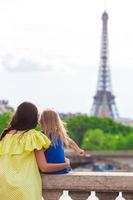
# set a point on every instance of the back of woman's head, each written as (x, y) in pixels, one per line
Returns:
(52, 124)
(25, 118)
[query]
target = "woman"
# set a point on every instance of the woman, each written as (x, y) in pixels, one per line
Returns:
(22, 155)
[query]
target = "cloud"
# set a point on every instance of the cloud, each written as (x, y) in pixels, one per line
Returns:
(24, 65)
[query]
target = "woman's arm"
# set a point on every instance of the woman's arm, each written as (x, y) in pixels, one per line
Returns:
(75, 147)
(48, 167)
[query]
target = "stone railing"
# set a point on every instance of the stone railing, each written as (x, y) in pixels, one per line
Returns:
(88, 186)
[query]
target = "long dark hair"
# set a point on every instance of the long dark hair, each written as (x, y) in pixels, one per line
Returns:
(25, 118)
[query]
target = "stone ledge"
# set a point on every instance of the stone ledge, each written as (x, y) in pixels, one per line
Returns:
(89, 181)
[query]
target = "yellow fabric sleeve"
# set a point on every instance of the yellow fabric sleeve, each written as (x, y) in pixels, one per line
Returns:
(19, 143)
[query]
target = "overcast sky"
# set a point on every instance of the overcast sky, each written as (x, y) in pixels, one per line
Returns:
(50, 52)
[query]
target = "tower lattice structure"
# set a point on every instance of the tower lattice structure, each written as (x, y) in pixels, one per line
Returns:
(104, 100)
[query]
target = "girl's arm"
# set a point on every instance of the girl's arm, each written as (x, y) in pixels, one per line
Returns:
(75, 147)
(48, 167)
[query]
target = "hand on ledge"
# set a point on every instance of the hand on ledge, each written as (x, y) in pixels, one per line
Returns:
(67, 161)
(81, 152)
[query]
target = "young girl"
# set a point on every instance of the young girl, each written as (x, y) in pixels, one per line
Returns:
(53, 128)
(21, 154)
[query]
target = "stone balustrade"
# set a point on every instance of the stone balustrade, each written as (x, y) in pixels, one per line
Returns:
(107, 186)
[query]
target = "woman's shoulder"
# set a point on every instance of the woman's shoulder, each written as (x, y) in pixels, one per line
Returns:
(32, 132)
(36, 138)
(28, 141)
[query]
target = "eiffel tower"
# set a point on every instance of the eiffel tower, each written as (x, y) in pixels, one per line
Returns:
(104, 100)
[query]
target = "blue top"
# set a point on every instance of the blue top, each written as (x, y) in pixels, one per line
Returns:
(55, 154)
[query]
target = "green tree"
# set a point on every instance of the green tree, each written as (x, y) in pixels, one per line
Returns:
(5, 120)
(78, 125)
(96, 139)
(125, 142)
(93, 140)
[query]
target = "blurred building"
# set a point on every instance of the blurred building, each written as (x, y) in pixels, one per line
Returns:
(69, 114)
(4, 106)
(126, 121)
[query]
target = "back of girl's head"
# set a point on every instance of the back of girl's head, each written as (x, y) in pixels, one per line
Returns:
(50, 120)
(25, 118)
(52, 124)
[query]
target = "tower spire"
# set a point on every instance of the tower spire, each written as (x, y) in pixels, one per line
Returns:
(104, 100)
(105, 4)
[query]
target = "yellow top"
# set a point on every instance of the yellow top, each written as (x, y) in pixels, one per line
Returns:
(19, 174)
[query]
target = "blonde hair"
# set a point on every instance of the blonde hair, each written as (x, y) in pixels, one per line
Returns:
(52, 124)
